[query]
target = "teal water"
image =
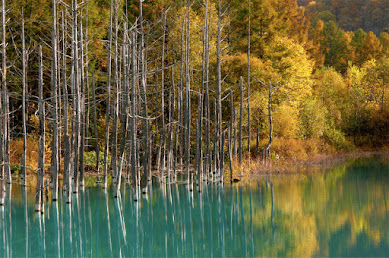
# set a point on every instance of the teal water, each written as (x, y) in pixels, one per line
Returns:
(341, 212)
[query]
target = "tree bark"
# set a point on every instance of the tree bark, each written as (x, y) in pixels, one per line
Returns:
(106, 146)
(24, 74)
(41, 159)
(248, 81)
(240, 120)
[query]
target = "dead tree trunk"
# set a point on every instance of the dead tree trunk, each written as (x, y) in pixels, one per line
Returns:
(134, 122)
(83, 89)
(95, 122)
(143, 90)
(106, 146)
(6, 172)
(24, 83)
(124, 122)
(240, 120)
(161, 149)
(67, 158)
(116, 99)
(54, 90)
(41, 160)
(248, 81)
(188, 105)
(2, 115)
(76, 100)
(219, 120)
(207, 160)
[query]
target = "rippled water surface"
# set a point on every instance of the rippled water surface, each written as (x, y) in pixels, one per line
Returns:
(341, 212)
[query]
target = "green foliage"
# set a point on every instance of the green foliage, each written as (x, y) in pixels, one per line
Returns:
(90, 159)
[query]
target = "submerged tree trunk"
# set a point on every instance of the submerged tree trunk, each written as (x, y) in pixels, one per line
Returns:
(248, 82)
(2, 114)
(6, 173)
(134, 121)
(240, 120)
(54, 90)
(24, 83)
(95, 122)
(67, 159)
(41, 160)
(106, 137)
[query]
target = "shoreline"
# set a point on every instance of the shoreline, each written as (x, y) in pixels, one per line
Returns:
(256, 168)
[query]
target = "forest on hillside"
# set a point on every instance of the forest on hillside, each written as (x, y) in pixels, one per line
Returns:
(198, 85)
(351, 15)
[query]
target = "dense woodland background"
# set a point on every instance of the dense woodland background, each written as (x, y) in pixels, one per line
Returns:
(327, 60)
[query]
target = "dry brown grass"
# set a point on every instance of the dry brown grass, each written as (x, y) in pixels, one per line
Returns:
(297, 156)
(16, 151)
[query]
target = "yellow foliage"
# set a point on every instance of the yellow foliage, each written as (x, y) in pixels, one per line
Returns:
(16, 151)
(286, 121)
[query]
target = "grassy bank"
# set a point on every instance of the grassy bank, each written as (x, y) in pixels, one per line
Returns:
(287, 156)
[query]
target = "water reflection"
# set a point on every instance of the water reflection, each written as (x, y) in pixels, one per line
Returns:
(343, 212)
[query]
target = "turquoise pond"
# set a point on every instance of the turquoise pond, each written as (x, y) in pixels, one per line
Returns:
(343, 211)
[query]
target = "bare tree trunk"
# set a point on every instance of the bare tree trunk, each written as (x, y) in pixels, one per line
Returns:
(67, 159)
(188, 104)
(207, 160)
(24, 74)
(257, 145)
(106, 147)
(6, 173)
(54, 90)
(219, 120)
(116, 99)
(172, 102)
(82, 116)
(2, 114)
(124, 120)
(95, 122)
(180, 105)
(270, 120)
(76, 100)
(230, 150)
(161, 149)
(41, 160)
(134, 122)
(143, 89)
(248, 81)
(240, 120)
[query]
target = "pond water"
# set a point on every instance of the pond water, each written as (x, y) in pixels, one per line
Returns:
(341, 212)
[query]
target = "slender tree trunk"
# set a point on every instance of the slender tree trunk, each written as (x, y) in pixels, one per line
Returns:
(54, 90)
(83, 90)
(76, 99)
(95, 122)
(41, 159)
(67, 158)
(2, 114)
(180, 104)
(188, 105)
(207, 155)
(143, 90)
(134, 122)
(270, 120)
(161, 149)
(116, 99)
(24, 74)
(106, 147)
(172, 102)
(124, 123)
(6, 173)
(219, 119)
(248, 81)
(240, 120)
(230, 150)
